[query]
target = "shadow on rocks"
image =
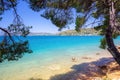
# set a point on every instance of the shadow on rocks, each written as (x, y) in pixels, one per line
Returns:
(88, 71)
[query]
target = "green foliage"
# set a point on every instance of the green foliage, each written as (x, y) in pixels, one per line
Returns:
(37, 5)
(58, 17)
(103, 43)
(97, 28)
(95, 15)
(13, 51)
(79, 22)
(81, 32)
(58, 11)
(103, 30)
(0, 18)
(13, 46)
(115, 35)
(6, 5)
(19, 29)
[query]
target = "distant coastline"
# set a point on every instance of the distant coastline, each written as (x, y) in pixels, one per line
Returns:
(83, 32)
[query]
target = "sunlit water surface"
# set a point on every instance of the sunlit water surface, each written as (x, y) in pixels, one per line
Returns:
(50, 53)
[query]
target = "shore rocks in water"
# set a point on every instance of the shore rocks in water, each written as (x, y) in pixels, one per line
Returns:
(74, 59)
(86, 58)
(97, 53)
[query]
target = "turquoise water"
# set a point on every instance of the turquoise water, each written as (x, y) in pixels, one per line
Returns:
(48, 50)
(52, 43)
(54, 47)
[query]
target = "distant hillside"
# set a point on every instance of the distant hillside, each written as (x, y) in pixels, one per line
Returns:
(40, 34)
(87, 31)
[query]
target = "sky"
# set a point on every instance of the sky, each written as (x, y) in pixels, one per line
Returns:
(30, 18)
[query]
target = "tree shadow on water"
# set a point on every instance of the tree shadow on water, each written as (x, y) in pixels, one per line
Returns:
(85, 71)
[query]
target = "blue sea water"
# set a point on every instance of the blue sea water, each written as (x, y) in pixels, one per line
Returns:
(54, 47)
(49, 49)
(52, 43)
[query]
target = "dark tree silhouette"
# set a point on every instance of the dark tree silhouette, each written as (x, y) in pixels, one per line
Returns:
(12, 47)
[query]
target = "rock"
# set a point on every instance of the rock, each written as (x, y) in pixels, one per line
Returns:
(74, 59)
(86, 58)
(97, 53)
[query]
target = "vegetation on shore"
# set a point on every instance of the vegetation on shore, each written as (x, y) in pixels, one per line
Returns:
(83, 31)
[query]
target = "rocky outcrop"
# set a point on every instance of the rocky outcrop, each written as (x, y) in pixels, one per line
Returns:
(84, 31)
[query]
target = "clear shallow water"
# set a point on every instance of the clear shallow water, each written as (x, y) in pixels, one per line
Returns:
(48, 50)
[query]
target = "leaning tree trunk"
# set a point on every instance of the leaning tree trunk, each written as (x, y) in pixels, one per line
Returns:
(110, 43)
(111, 47)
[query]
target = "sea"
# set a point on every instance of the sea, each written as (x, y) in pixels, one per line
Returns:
(51, 55)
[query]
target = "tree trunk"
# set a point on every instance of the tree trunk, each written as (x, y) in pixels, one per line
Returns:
(110, 43)
(111, 47)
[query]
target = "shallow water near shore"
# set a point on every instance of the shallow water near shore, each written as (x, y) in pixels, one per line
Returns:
(52, 55)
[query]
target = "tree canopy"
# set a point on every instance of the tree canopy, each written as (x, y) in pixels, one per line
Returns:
(12, 47)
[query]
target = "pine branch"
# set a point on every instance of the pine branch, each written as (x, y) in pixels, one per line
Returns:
(8, 34)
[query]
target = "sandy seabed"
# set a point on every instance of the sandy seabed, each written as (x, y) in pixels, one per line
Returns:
(58, 67)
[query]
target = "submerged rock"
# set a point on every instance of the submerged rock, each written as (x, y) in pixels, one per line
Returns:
(74, 59)
(86, 58)
(97, 53)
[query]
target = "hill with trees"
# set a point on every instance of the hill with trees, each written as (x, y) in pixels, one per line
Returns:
(84, 31)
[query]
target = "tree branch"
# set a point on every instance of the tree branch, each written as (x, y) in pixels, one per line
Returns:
(8, 34)
(92, 23)
(2, 4)
(17, 16)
